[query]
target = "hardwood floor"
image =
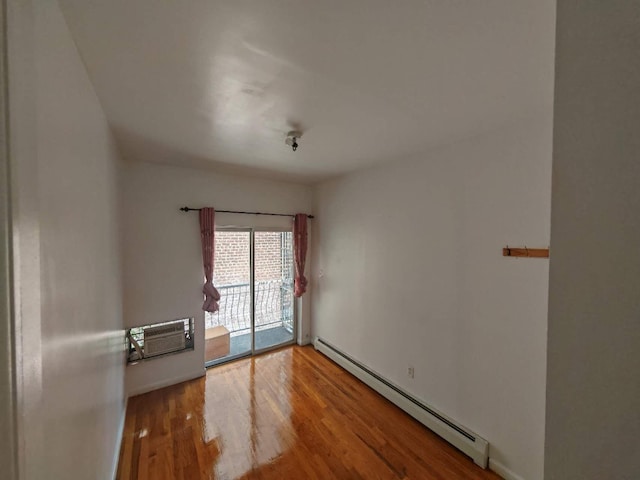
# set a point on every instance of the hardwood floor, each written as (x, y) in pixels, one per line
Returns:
(290, 414)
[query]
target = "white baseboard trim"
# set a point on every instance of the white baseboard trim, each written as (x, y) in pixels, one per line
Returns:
(166, 382)
(457, 435)
(503, 471)
(116, 459)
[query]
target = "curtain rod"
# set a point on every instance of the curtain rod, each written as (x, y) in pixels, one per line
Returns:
(189, 209)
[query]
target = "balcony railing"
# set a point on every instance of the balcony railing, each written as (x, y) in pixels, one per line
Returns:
(273, 307)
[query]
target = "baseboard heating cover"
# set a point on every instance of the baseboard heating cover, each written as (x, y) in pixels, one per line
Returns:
(460, 437)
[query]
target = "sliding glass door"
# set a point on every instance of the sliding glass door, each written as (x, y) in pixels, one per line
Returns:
(228, 331)
(254, 275)
(273, 289)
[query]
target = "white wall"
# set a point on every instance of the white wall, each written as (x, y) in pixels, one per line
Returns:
(593, 379)
(162, 255)
(409, 271)
(67, 284)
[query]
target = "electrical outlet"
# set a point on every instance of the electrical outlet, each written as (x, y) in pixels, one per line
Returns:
(410, 372)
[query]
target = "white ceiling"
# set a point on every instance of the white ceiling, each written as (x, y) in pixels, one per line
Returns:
(218, 84)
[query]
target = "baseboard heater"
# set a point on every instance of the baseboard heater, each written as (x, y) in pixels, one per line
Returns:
(460, 437)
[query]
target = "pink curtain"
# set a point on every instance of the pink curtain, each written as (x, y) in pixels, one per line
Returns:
(300, 252)
(207, 234)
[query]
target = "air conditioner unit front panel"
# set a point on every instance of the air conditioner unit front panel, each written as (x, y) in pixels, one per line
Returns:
(164, 339)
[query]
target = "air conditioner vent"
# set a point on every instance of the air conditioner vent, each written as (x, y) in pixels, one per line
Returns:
(164, 339)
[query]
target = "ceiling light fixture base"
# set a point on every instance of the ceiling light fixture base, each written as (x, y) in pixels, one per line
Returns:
(292, 139)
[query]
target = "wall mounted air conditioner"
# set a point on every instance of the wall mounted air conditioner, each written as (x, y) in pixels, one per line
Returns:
(164, 339)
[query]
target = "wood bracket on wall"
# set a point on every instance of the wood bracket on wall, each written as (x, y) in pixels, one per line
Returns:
(525, 252)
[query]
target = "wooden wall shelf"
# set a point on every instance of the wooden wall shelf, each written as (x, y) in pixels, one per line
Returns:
(525, 252)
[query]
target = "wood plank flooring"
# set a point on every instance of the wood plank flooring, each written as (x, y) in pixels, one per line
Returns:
(290, 414)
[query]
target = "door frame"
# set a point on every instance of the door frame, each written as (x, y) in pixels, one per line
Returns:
(254, 351)
(8, 382)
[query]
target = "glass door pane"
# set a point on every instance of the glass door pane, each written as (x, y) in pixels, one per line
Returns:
(228, 331)
(273, 289)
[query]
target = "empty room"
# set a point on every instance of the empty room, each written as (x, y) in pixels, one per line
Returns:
(320, 240)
